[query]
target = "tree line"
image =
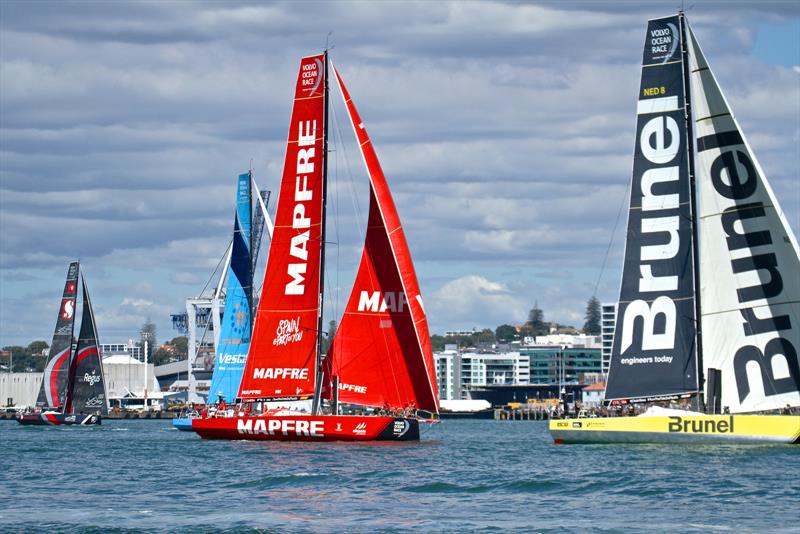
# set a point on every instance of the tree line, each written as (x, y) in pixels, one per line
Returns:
(535, 325)
(30, 358)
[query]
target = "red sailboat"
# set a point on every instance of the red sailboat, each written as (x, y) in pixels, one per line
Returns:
(380, 357)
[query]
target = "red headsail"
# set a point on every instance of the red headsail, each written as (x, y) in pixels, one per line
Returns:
(283, 348)
(382, 350)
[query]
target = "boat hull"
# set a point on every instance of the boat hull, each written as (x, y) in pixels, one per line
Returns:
(309, 428)
(700, 429)
(59, 419)
(183, 423)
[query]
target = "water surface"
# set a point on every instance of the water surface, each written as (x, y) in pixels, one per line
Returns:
(143, 476)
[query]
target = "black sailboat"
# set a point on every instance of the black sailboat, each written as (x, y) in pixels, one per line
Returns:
(73, 387)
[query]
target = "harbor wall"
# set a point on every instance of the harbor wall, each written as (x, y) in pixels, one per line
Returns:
(19, 389)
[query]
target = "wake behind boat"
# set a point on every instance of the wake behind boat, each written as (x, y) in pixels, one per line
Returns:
(709, 307)
(73, 387)
(381, 356)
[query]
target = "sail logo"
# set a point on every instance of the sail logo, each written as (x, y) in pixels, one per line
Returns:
(664, 42)
(353, 387)
(91, 379)
(238, 319)
(378, 302)
(734, 177)
(301, 223)
(232, 359)
(71, 287)
(310, 77)
(67, 309)
(269, 427)
(660, 144)
(701, 426)
(276, 373)
(288, 331)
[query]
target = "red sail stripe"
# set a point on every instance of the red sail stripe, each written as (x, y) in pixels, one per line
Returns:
(54, 373)
(281, 362)
(382, 351)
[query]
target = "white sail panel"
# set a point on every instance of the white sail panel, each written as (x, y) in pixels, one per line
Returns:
(749, 268)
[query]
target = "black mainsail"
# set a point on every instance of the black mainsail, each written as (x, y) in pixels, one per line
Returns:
(654, 354)
(56, 373)
(87, 392)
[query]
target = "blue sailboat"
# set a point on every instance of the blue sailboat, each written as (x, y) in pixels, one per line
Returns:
(234, 338)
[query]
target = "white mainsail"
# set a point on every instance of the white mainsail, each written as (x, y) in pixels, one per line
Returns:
(750, 266)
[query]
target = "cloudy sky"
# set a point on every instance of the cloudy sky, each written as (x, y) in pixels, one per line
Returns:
(505, 129)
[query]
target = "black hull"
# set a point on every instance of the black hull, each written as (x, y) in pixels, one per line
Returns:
(59, 419)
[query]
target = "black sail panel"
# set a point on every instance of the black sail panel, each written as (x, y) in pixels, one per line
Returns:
(87, 381)
(54, 382)
(654, 354)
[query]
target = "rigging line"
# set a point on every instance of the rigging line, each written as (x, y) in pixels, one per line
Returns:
(221, 260)
(611, 240)
(351, 181)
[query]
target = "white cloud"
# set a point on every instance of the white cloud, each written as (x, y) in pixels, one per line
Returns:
(469, 299)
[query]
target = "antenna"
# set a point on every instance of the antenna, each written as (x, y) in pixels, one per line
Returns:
(327, 38)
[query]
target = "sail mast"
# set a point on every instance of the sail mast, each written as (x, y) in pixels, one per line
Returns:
(318, 361)
(693, 207)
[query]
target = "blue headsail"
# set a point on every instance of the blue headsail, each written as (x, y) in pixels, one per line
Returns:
(234, 338)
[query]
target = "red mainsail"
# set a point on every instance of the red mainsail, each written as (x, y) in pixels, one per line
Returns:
(281, 361)
(382, 350)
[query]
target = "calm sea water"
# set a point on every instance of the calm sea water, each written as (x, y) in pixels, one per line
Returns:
(134, 476)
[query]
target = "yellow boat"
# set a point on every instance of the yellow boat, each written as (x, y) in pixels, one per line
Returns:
(709, 304)
(696, 428)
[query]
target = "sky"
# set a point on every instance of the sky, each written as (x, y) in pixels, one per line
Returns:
(505, 131)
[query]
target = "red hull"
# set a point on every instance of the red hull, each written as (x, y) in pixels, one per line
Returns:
(309, 428)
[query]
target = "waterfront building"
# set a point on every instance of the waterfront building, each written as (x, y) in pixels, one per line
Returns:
(457, 371)
(608, 322)
(456, 333)
(593, 395)
(557, 364)
(130, 348)
(125, 378)
(19, 389)
(534, 395)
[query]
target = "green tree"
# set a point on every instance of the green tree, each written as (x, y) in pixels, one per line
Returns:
(438, 342)
(161, 356)
(36, 347)
(536, 325)
(505, 333)
(593, 317)
(181, 346)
